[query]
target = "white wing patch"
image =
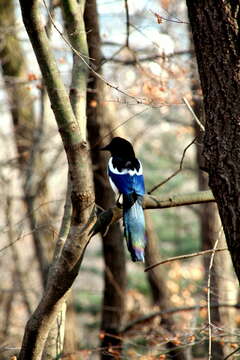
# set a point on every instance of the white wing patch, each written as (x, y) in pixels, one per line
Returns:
(125, 171)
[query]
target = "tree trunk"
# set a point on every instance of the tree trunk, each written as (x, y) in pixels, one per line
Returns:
(160, 292)
(100, 123)
(215, 27)
(70, 115)
(210, 226)
(27, 137)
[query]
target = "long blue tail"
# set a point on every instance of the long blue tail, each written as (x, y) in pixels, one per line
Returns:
(134, 226)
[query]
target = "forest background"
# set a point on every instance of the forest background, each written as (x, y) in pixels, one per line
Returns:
(139, 81)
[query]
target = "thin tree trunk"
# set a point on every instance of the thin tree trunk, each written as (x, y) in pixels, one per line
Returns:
(160, 293)
(100, 123)
(27, 137)
(56, 341)
(71, 123)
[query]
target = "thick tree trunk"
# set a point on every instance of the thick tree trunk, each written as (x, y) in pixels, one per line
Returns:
(100, 123)
(215, 27)
(210, 227)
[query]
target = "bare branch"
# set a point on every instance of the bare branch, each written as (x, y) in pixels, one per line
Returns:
(137, 100)
(127, 23)
(181, 257)
(108, 217)
(174, 20)
(232, 353)
(151, 316)
(209, 299)
(175, 172)
(193, 114)
(146, 58)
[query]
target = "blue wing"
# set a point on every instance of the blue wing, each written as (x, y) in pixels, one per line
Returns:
(128, 183)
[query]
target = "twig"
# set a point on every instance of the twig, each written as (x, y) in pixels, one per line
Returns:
(175, 17)
(233, 352)
(127, 22)
(112, 58)
(151, 316)
(178, 21)
(186, 256)
(175, 172)
(193, 114)
(82, 57)
(116, 127)
(209, 300)
(147, 58)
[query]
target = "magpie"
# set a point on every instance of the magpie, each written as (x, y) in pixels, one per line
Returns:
(126, 178)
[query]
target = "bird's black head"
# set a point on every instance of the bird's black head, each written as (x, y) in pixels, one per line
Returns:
(120, 147)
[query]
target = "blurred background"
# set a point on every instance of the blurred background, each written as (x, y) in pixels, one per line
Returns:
(115, 310)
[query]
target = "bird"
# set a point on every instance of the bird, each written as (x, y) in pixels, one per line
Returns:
(125, 175)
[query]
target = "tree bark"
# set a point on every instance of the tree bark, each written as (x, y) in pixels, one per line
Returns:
(66, 267)
(215, 27)
(100, 123)
(222, 276)
(210, 227)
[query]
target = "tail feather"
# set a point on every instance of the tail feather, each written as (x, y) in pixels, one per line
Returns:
(134, 226)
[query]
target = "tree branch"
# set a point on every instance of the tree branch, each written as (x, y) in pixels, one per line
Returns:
(127, 23)
(151, 316)
(108, 217)
(186, 256)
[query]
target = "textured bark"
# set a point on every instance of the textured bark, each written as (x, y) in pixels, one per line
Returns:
(27, 136)
(210, 232)
(160, 293)
(100, 123)
(222, 277)
(215, 27)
